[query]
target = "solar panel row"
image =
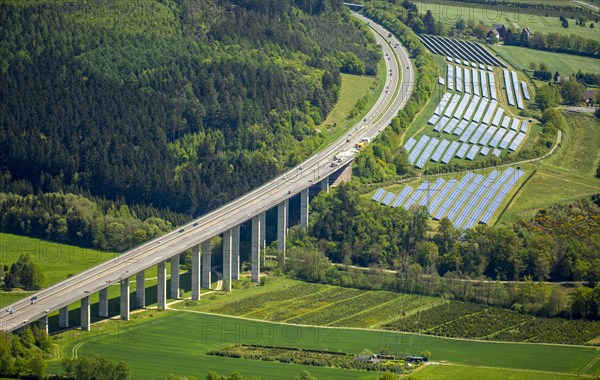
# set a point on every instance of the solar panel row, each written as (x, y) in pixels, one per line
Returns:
(450, 126)
(388, 198)
(433, 119)
(507, 139)
(462, 150)
(514, 145)
(440, 150)
(489, 114)
(525, 90)
(483, 106)
(457, 48)
(497, 138)
(472, 152)
(421, 190)
(506, 122)
(512, 180)
(418, 148)
(459, 81)
(508, 86)
(409, 144)
(441, 212)
(517, 88)
(525, 126)
(378, 194)
(443, 103)
(439, 196)
(450, 77)
(484, 151)
(484, 84)
(472, 106)
(497, 117)
(515, 124)
(431, 192)
(402, 196)
(427, 153)
(464, 197)
(474, 200)
(450, 152)
(475, 81)
(467, 81)
(441, 123)
(492, 80)
(478, 133)
(462, 105)
(460, 127)
(452, 105)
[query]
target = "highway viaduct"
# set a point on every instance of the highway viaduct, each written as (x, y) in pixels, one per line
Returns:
(225, 221)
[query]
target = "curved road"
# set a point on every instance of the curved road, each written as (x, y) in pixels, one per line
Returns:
(397, 91)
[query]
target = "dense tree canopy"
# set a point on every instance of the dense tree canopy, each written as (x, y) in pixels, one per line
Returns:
(180, 104)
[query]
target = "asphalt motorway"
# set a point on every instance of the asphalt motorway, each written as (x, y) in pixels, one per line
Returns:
(310, 172)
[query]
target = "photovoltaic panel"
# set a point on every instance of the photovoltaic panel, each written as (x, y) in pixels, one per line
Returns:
(452, 105)
(472, 152)
(472, 106)
(469, 207)
(482, 67)
(507, 139)
(512, 181)
(468, 132)
(465, 63)
(484, 84)
(497, 137)
(467, 81)
(515, 83)
(524, 126)
(509, 91)
(462, 150)
(460, 127)
(414, 198)
(497, 117)
(478, 133)
(489, 114)
(514, 145)
(439, 197)
(441, 123)
(450, 126)
(506, 122)
(487, 136)
(481, 110)
(450, 152)
(440, 150)
(459, 80)
(441, 212)
(431, 192)
(378, 195)
(388, 198)
(490, 68)
(484, 151)
(525, 90)
(474, 65)
(409, 144)
(463, 197)
(515, 124)
(487, 198)
(443, 103)
(402, 196)
(475, 81)
(418, 148)
(433, 119)
(427, 153)
(492, 81)
(461, 107)
(441, 81)
(450, 77)
(496, 152)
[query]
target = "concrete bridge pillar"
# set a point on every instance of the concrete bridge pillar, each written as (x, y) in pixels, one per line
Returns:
(227, 250)
(85, 313)
(161, 287)
(325, 184)
(282, 225)
(140, 289)
(175, 276)
(63, 317)
(125, 306)
(206, 264)
(304, 209)
(263, 230)
(196, 268)
(235, 255)
(103, 303)
(43, 323)
(255, 248)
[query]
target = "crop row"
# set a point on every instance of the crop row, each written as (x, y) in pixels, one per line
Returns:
(427, 319)
(248, 304)
(399, 307)
(569, 332)
(344, 309)
(480, 324)
(301, 305)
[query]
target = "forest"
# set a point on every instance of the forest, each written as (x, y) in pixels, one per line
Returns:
(170, 104)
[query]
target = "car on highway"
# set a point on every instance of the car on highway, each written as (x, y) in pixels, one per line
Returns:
(195, 224)
(181, 230)
(34, 299)
(10, 310)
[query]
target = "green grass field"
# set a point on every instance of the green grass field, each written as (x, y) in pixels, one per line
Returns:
(175, 342)
(565, 64)
(434, 372)
(566, 176)
(534, 19)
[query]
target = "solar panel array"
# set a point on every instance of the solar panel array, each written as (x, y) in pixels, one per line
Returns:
(515, 83)
(509, 91)
(472, 199)
(378, 195)
(492, 80)
(450, 78)
(424, 157)
(525, 90)
(466, 50)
